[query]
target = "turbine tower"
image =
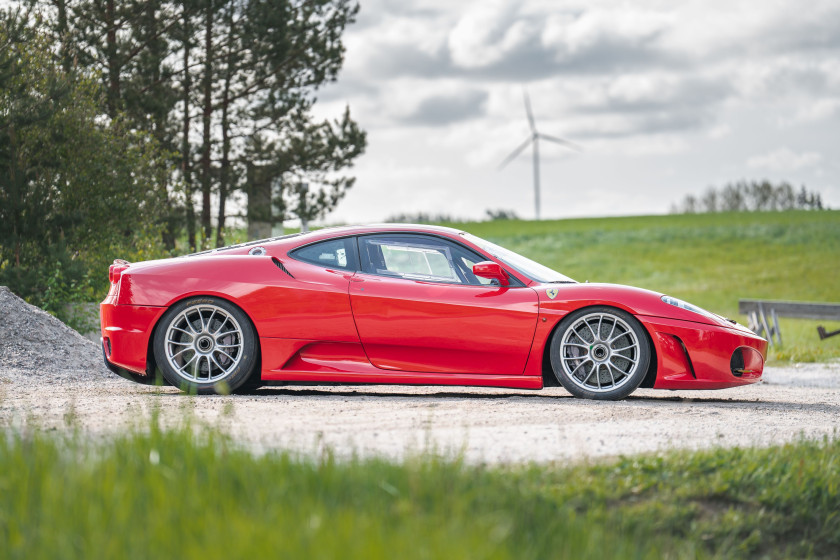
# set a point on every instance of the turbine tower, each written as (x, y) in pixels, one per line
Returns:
(534, 140)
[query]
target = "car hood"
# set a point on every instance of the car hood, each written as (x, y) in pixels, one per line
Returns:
(634, 300)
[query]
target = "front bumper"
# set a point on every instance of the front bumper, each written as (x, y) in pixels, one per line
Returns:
(699, 356)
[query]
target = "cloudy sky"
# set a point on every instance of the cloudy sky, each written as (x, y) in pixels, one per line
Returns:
(665, 97)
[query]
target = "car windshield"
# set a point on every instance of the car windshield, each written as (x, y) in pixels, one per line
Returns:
(533, 270)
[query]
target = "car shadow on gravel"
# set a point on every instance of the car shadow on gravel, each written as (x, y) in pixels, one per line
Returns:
(314, 392)
(303, 391)
(286, 392)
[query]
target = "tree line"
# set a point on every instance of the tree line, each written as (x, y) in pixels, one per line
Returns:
(490, 215)
(129, 124)
(750, 196)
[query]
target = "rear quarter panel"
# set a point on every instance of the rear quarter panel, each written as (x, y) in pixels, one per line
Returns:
(312, 303)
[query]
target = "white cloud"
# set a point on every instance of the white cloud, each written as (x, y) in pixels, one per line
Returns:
(486, 32)
(703, 86)
(720, 131)
(570, 35)
(784, 159)
(812, 111)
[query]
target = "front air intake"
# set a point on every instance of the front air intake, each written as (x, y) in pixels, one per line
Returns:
(746, 362)
(736, 363)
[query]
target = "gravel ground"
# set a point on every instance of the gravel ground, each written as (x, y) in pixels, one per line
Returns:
(56, 381)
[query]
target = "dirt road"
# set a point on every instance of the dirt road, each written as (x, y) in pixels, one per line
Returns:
(490, 425)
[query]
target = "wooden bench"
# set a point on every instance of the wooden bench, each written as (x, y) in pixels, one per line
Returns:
(763, 315)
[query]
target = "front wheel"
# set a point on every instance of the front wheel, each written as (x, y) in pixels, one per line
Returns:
(600, 353)
(206, 345)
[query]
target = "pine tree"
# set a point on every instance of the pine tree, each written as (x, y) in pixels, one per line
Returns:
(206, 77)
(72, 188)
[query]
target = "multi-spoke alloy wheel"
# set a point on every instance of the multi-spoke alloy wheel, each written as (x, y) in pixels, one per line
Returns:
(205, 345)
(600, 353)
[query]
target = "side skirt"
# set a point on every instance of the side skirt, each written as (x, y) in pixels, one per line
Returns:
(408, 378)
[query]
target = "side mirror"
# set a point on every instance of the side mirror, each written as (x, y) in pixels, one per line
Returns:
(491, 270)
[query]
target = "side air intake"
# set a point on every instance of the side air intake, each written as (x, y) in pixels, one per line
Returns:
(280, 265)
(687, 356)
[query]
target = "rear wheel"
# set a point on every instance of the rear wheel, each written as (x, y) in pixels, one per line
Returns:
(600, 353)
(206, 345)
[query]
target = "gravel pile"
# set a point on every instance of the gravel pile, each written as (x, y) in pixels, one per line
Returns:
(33, 340)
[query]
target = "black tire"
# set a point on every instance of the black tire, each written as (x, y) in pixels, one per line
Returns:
(206, 345)
(605, 339)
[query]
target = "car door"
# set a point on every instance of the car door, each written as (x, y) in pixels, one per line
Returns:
(418, 307)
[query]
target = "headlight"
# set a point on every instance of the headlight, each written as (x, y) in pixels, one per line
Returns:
(689, 307)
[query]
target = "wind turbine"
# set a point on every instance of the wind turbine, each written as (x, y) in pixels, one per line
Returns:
(534, 140)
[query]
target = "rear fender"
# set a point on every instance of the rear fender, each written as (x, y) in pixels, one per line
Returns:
(152, 370)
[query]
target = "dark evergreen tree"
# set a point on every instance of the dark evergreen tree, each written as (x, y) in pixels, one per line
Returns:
(203, 77)
(72, 187)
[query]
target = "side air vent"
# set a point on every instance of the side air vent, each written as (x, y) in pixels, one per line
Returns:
(276, 261)
(687, 356)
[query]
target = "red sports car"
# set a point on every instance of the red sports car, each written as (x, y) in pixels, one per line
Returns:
(407, 305)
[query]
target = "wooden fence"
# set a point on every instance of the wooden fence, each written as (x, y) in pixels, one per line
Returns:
(763, 315)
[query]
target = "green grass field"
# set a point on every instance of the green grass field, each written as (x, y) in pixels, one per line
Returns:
(710, 260)
(176, 494)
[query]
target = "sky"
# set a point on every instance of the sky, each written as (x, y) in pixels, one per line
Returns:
(665, 97)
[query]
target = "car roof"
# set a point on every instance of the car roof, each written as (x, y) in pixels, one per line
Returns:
(337, 231)
(295, 239)
(344, 231)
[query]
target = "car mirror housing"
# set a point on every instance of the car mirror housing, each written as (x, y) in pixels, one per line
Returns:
(491, 270)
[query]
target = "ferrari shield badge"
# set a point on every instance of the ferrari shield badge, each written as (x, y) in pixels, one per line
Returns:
(551, 292)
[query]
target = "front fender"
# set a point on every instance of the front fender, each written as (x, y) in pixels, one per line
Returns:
(636, 301)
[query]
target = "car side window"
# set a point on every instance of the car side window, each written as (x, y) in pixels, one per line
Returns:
(417, 257)
(333, 253)
(416, 261)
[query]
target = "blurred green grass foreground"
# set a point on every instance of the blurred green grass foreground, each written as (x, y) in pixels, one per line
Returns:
(711, 260)
(186, 493)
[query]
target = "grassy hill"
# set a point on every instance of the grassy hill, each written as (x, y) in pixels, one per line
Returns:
(711, 260)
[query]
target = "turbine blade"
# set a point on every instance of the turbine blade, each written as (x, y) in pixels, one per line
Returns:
(529, 112)
(515, 153)
(570, 145)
